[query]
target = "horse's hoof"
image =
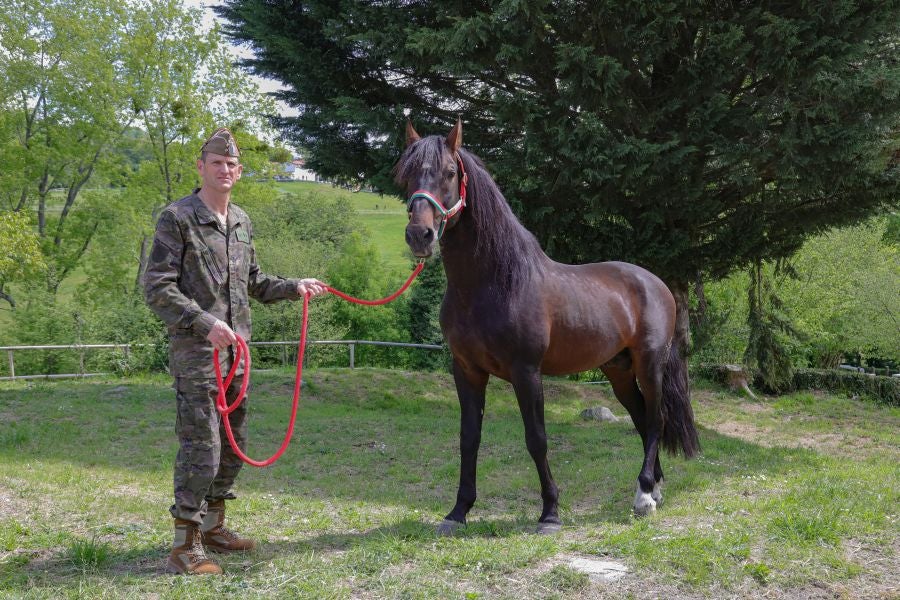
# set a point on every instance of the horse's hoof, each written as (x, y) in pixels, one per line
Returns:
(448, 527)
(656, 494)
(644, 504)
(548, 528)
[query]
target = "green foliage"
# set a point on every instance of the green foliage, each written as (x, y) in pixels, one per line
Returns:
(100, 92)
(89, 554)
(358, 271)
(296, 235)
(42, 317)
(21, 254)
(424, 310)
(566, 579)
(892, 231)
(770, 332)
(280, 155)
(880, 389)
(720, 330)
(843, 300)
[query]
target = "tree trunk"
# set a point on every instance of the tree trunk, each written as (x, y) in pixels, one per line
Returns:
(738, 380)
(42, 214)
(682, 339)
(702, 305)
(7, 297)
(23, 199)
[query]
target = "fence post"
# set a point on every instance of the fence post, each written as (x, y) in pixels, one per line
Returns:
(81, 362)
(284, 355)
(352, 348)
(12, 365)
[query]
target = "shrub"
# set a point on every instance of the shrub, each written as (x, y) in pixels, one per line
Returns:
(880, 389)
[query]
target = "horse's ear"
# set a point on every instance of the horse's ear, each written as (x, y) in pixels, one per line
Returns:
(454, 138)
(411, 136)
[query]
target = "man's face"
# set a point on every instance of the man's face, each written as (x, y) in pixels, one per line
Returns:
(219, 173)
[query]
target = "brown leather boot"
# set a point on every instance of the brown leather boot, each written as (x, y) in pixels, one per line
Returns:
(188, 556)
(216, 536)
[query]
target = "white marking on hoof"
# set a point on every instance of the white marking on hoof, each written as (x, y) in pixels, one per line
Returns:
(644, 504)
(656, 494)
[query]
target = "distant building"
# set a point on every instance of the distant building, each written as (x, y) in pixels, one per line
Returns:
(297, 171)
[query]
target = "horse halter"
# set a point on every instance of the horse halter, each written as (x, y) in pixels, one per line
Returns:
(446, 214)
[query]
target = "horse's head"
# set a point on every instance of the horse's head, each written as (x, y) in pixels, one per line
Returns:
(433, 176)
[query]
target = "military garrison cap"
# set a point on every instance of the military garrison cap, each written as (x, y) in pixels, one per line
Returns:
(221, 142)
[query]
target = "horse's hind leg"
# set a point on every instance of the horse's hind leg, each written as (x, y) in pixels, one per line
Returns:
(529, 390)
(625, 387)
(470, 388)
(648, 368)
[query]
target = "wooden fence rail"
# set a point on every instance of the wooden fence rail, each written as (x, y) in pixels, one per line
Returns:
(126, 348)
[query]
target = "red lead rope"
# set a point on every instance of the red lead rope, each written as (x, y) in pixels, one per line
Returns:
(242, 352)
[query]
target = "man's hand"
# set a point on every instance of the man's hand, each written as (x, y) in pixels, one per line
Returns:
(221, 335)
(312, 286)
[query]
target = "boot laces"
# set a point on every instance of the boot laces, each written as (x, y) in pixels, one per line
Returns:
(197, 553)
(226, 533)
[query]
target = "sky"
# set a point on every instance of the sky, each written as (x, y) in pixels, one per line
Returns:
(265, 85)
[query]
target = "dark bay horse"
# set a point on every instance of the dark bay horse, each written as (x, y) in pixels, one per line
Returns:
(511, 312)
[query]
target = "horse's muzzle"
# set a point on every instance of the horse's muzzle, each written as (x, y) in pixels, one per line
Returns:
(420, 239)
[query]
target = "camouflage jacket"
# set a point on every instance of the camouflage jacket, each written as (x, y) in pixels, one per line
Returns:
(200, 271)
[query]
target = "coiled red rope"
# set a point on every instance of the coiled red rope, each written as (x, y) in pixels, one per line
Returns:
(242, 353)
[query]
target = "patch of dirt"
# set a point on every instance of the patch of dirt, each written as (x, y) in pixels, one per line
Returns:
(755, 408)
(746, 431)
(133, 491)
(879, 583)
(526, 583)
(8, 506)
(881, 572)
(829, 442)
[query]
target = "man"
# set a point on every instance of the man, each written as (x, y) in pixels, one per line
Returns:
(202, 267)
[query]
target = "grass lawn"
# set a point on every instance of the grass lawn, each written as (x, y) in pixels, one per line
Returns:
(793, 496)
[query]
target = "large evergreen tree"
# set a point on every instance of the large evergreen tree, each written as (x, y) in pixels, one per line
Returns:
(691, 138)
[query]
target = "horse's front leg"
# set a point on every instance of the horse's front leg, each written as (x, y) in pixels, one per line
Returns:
(470, 386)
(530, 394)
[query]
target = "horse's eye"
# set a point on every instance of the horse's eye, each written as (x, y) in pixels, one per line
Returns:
(451, 174)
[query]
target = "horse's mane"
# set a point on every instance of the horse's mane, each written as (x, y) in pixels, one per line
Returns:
(500, 236)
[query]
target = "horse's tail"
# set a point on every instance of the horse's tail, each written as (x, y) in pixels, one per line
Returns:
(679, 431)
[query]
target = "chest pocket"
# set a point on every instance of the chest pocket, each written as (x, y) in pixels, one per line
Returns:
(216, 272)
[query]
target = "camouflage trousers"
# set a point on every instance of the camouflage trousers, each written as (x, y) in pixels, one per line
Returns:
(206, 465)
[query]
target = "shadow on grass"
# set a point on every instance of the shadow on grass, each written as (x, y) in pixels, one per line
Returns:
(57, 567)
(394, 446)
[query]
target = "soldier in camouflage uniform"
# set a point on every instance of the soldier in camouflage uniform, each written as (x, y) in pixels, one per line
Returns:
(201, 270)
